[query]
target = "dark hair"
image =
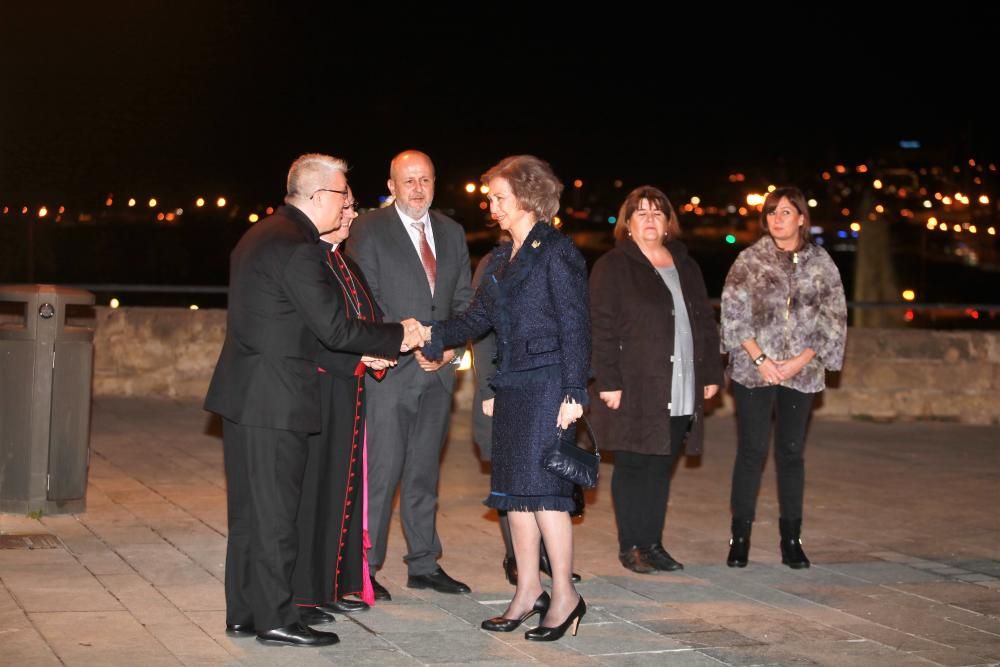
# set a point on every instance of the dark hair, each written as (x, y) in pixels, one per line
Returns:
(656, 200)
(532, 181)
(796, 199)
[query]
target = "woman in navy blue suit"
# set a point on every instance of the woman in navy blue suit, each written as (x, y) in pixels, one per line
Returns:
(534, 296)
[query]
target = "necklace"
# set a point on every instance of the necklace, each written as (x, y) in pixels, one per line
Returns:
(350, 293)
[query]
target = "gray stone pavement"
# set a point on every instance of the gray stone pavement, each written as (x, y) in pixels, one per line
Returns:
(901, 525)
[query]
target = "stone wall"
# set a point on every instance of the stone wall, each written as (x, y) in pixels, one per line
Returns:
(156, 352)
(888, 374)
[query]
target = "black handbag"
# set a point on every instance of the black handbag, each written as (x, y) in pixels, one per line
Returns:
(571, 462)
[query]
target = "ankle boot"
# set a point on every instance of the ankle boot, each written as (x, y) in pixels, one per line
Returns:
(739, 545)
(792, 554)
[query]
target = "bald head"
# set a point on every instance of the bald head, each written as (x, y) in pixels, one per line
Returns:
(411, 182)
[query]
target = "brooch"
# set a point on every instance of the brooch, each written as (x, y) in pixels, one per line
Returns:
(536, 243)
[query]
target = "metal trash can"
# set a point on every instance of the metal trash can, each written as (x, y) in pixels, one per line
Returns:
(46, 374)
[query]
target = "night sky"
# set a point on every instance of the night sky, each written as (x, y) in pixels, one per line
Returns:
(182, 98)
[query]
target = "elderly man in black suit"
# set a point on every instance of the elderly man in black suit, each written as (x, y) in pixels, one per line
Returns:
(282, 312)
(417, 264)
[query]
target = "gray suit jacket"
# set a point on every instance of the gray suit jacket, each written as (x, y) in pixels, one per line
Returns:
(392, 267)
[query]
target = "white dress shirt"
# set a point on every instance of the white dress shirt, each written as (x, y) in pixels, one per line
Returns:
(414, 234)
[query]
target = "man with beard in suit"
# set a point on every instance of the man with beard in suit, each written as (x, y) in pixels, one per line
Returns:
(417, 264)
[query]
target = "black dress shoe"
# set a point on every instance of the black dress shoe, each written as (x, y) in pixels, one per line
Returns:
(503, 624)
(438, 580)
(297, 634)
(572, 622)
(380, 592)
(636, 559)
(314, 616)
(240, 629)
(343, 606)
(543, 565)
(658, 557)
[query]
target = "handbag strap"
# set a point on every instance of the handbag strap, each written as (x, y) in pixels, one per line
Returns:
(590, 432)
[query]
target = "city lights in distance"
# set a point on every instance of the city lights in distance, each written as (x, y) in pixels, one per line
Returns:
(42, 212)
(485, 189)
(193, 306)
(877, 184)
(253, 218)
(695, 200)
(730, 239)
(909, 295)
(470, 187)
(812, 203)
(152, 202)
(131, 202)
(984, 199)
(855, 226)
(199, 202)
(612, 219)
(220, 202)
(754, 199)
(114, 303)
(578, 183)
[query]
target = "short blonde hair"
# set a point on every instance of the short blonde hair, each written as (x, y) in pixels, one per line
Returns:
(311, 172)
(657, 200)
(532, 181)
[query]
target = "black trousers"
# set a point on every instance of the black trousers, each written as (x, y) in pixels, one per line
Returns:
(754, 409)
(264, 470)
(640, 490)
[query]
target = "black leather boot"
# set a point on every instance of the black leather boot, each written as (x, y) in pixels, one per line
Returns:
(792, 554)
(739, 545)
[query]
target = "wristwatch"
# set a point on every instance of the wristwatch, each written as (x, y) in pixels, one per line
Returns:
(759, 360)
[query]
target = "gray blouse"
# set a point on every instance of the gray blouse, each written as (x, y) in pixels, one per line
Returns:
(786, 302)
(682, 383)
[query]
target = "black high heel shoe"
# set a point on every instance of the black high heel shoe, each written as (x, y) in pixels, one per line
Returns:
(502, 624)
(510, 569)
(572, 622)
(543, 565)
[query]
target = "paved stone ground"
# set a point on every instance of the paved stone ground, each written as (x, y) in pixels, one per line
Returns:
(901, 526)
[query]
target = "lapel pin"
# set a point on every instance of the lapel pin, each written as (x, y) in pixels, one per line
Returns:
(536, 243)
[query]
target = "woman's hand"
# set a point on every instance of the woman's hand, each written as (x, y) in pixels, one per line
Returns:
(711, 390)
(770, 371)
(612, 399)
(568, 413)
(488, 407)
(790, 367)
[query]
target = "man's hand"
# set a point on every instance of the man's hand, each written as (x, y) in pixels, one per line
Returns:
(711, 390)
(431, 366)
(612, 399)
(413, 335)
(488, 407)
(377, 363)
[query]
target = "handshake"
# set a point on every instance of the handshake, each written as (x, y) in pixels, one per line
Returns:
(415, 335)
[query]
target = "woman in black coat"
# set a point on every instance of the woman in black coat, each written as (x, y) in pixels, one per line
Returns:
(656, 360)
(534, 296)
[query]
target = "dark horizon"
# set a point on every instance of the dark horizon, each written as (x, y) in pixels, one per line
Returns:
(181, 100)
